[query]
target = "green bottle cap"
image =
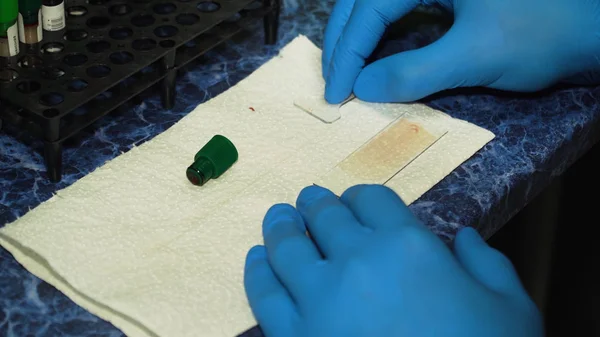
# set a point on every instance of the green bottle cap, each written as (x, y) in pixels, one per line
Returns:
(9, 10)
(213, 159)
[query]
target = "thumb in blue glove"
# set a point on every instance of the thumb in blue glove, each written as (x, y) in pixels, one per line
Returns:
(372, 269)
(513, 45)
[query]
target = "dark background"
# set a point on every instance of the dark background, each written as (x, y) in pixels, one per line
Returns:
(553, 244)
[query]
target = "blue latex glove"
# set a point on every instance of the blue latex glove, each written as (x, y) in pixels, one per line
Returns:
(375, 270)
(513, 45)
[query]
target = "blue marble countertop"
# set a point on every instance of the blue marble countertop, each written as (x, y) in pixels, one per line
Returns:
(537, 137)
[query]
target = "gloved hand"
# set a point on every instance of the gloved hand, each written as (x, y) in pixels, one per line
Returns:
(375, 270)
(513, 45)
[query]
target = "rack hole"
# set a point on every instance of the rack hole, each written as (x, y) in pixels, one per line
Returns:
(144, 44)
(98, 71)
(77, 85)
(30, 61)
(121, 57)
(76, 11)
(120, 10)
(165, 8)
(166, 31)
(167, 43)
(50, 113)
(208, 6)
(75, 59)
(53, 48)
(52, 99)
(187, 19)
(120, 33)
(98, 22)
(143, 20)
(28, 87)
(98, 46)
(75, 35)
(52, 73)
(8, 75)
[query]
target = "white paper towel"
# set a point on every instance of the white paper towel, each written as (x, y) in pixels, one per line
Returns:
(135, 243)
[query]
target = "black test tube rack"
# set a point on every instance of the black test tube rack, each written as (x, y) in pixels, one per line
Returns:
(114, 50)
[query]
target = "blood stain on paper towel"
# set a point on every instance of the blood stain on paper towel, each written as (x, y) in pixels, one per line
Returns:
(251, 108)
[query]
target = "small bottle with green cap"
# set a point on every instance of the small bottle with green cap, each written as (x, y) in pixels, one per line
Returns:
(213, 159)
(30, 21)
(9, 31)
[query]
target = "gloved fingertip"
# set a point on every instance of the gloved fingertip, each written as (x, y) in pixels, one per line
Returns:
(332, 97)
(353, 191)
(256, 254)
(311, 193)
(279, 213)
(466, 241)
(313, 190)
(333, 93)
(486, 264)
(370, 86)
(470, 235)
